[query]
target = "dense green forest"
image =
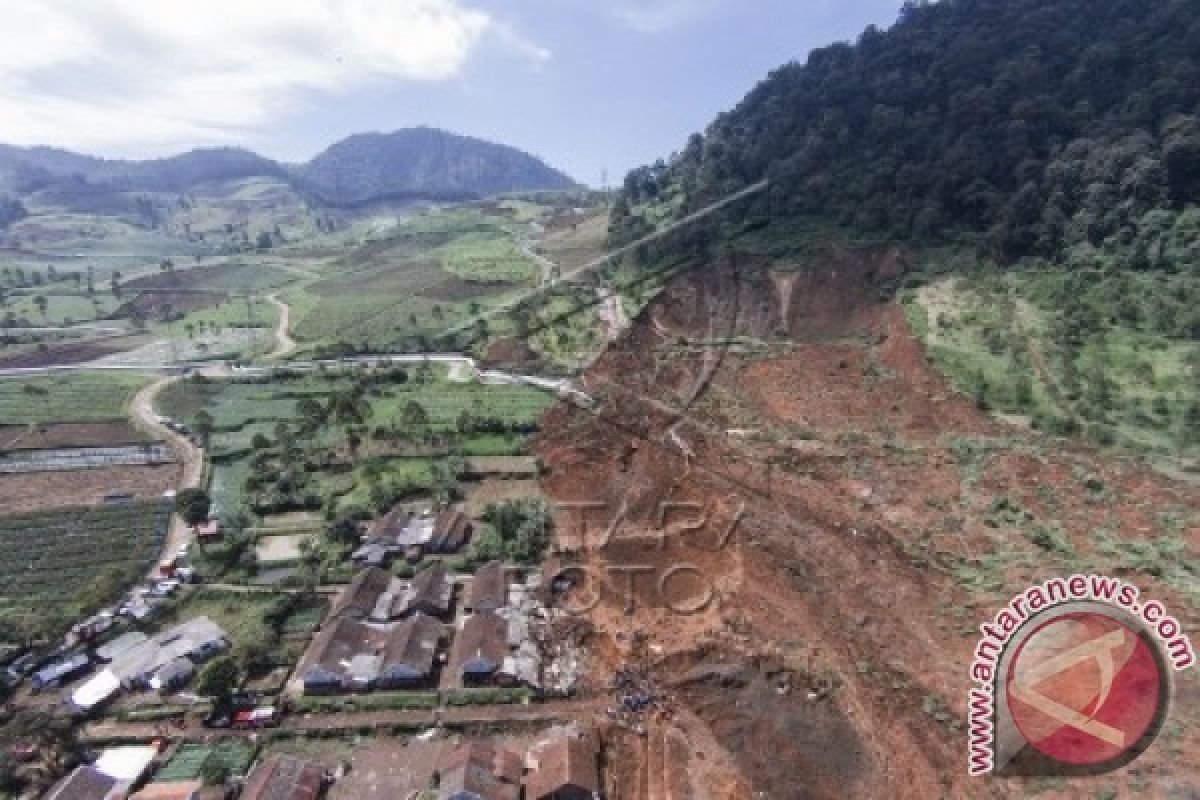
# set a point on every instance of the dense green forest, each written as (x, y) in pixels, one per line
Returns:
(1057, 128)
(1053, 141)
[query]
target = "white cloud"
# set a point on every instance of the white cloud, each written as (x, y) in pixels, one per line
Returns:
(158, 73)
(656, 16)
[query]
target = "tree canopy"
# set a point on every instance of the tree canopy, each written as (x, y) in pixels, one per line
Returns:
(1048, 128)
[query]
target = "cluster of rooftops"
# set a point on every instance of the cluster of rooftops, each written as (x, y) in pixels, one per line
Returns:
(162, 662)
(562, 765)
(403, 532)
(383, 632)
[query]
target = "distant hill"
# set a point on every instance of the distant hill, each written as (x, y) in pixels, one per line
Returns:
(38, 168)
(422, 162)
(413, 163)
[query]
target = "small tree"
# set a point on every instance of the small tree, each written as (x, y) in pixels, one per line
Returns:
(204, 424)
(193, 505)
(414, 414)
(213, 772)
(218, 679)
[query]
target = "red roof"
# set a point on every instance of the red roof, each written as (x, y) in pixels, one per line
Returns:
(566, 761)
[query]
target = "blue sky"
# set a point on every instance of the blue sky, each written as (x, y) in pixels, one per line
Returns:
(586, 85)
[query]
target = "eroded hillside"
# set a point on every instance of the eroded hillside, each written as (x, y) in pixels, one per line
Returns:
(773, 440)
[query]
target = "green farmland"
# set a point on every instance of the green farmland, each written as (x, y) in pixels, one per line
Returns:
(233, 755)
(56, 566)
(355, 437)
(71, 397)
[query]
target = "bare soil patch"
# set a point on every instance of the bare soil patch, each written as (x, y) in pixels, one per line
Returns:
(46, 491)
(159, 303)
(71, 353)
(69, 434)
(279, 547)
(494, 490)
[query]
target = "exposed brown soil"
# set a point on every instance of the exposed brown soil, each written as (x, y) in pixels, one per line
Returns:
(47, 491)
(455, 290)
(509, 352)
(70, 353)
(159, 303)
(68, 434)
(183, 278)
(832, 660)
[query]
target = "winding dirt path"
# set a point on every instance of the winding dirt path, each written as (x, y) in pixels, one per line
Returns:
(146, 418)
(284, 343)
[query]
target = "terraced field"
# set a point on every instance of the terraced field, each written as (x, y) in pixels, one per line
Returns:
(74, 397)
(46, 559)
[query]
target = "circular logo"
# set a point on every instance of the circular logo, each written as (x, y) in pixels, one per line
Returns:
(1086, 689)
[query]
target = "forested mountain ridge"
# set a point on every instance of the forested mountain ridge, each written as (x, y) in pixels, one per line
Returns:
(1051, 128)
(420, 162)
(35, 168)
(426, 161)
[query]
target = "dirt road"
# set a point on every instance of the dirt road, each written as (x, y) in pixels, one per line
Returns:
(548, 267)
(548, 712)
(284, 343)
(146, 418)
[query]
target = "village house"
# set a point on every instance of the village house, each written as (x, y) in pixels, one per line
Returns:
(564, 766)
(489, 588)
(402, 532)
(378, 596)
(369, 596)
(430, 592)
(286, 778)
(197, 639)
(163, 662)
(85, 783)
(496, 645)
(106, 652)
(54, 675)
(173, 675)
(111, 776)
(355, 655)
(480, 649)
(479, 770)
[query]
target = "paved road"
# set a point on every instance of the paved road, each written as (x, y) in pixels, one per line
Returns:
(146, 418)
(219, 369)
(81, 327)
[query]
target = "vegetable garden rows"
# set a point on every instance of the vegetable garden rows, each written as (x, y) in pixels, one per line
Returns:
(51, 555)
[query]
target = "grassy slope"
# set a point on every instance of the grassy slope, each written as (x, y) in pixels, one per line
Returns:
(993, 328)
